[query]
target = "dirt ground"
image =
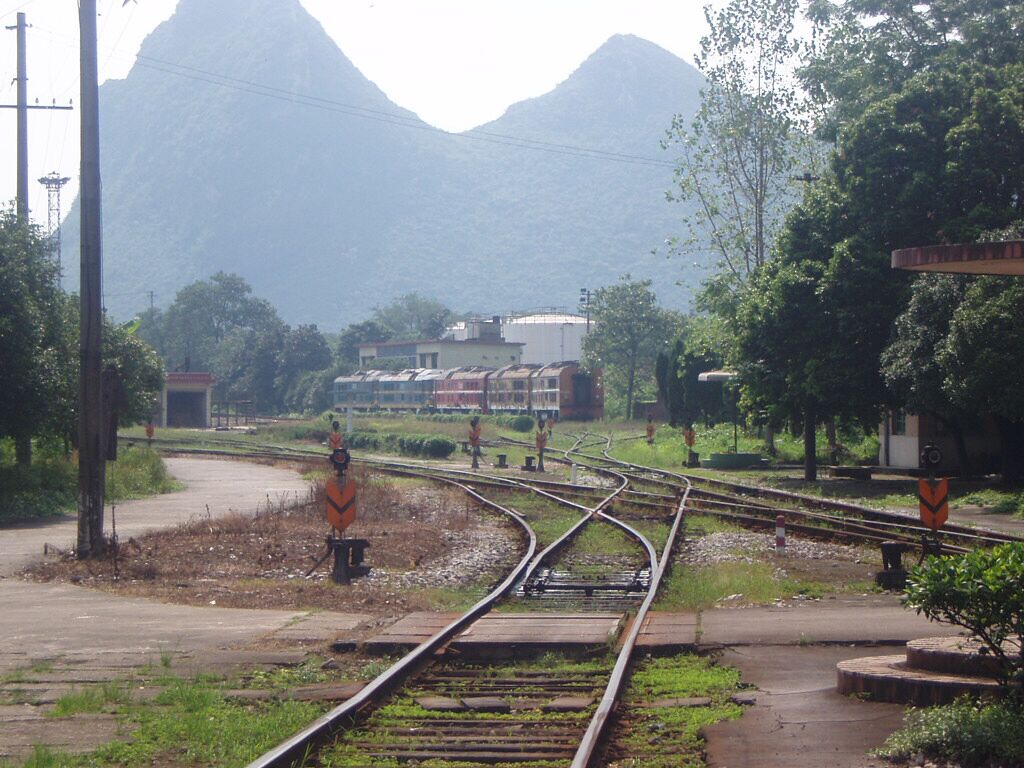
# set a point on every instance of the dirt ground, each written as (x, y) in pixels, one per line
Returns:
(424, 540)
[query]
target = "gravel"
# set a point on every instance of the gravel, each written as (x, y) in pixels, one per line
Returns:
(750, 547)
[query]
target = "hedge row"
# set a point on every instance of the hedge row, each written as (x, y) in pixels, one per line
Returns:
(520, 423)
(431, 446)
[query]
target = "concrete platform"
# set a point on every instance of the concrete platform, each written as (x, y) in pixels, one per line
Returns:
(877, 619)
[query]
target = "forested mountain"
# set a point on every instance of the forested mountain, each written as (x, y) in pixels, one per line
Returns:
(337, 200)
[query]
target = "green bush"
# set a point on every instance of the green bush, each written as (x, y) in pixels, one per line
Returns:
(138, 472)
(430, 446)
(966, 733)
(981, 592)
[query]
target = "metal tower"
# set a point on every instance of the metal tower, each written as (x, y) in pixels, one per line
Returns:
(53, 183)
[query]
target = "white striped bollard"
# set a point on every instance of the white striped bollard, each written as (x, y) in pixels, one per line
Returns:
(780, 535)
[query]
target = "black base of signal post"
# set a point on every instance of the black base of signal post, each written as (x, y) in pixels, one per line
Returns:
(349, 556)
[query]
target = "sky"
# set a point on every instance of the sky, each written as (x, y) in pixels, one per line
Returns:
(455, 63)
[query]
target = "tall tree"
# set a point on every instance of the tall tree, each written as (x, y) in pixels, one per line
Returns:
(413, 317)
(910, 364)
(366, 332)
(738, 153)
(628, 332)
(983, 357)
(31, 333)
(205, 312)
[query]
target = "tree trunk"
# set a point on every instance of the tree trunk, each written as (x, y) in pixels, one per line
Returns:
(833, 441)
(810, 446)
(1011, 448)
(23, 450)
(769, 441)
(629, 392)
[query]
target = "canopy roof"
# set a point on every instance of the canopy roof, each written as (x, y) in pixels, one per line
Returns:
(1001, 258)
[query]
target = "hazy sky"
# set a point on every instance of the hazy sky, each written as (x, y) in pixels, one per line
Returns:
(456, 63)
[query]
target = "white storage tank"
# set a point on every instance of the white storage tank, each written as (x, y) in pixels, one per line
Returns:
(549, 337)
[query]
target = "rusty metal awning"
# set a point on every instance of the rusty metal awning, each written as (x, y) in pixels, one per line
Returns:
(1001, 258)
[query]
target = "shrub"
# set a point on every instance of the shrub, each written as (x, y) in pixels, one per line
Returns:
(521, 423)
(964, 732)
(981, 592)
(430, 446)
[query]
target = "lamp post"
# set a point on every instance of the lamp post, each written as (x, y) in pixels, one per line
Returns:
(585, 295)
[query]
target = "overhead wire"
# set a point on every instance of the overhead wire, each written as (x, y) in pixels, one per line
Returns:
(330, 105)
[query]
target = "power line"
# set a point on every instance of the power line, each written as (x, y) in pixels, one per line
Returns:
(367, 113)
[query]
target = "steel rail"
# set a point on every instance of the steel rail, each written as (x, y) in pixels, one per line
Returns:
(298, 746)
(595, 732)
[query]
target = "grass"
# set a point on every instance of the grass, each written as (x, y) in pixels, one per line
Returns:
(190, 722)
(137, 473)
(667, 737)
(694, 589)
(965, 733)
(605, 539)
(669, 451)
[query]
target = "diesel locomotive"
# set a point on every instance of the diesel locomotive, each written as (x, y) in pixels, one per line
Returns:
(560, 390)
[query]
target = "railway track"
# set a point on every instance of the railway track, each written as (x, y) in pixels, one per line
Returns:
(429, 706)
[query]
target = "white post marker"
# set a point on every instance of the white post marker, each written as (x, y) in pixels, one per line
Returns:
(573, 475)
(780, 535)
(348, 420)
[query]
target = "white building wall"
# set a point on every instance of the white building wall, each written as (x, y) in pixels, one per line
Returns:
(547, 338)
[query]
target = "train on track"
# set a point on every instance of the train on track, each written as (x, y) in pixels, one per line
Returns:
(563, 391)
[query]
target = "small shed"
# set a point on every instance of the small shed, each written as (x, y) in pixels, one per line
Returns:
(185, 400)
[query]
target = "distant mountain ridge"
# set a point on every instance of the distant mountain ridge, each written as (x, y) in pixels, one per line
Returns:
(244, 140)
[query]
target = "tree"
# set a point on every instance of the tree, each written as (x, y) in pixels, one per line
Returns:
(811, 326)
(740, 150)
(910, 364)
(412, 317)
(629, 329)
(982, 358)
(31, 333)
(203, 315)
(366, 332)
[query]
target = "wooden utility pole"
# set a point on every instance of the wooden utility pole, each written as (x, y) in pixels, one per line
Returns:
(91, 453)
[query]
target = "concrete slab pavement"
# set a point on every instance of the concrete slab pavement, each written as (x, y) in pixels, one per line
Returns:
(799, 720)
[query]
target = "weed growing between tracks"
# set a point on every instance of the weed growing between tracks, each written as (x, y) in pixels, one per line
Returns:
(662, 730)
(405, 729)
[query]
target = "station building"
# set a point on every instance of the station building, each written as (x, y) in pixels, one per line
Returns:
(440, 353)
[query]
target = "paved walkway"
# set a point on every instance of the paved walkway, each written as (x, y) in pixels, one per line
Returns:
(217, 486)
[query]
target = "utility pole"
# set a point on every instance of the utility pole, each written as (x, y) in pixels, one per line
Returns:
(91, 450)
(23, 107)
(53, 183)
